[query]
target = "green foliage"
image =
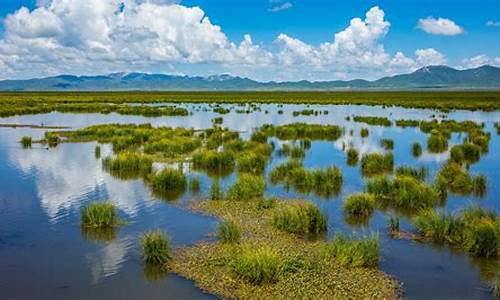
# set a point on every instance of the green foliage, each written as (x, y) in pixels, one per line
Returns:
(360, 205)
(51, 138)
(194, 185)
(213, 160)
(465, 153)
(99, 215)
(246, 187)
(168, 179)
(26, 141)
(216, 192)
(352, 157)
(377, 163)
(155, 247)
(97, 152)
(364, 132)
(457, 180)
(251, 162)
(403, 192)
(381, 121)
(300, 218)
(229, 232)
(387, 144)
(354, 252)
(323, 182)
(393, 225)
(417, 173)
(257, 265)
(301, 131)
(437, 143)
(128, 165)
(416, 150)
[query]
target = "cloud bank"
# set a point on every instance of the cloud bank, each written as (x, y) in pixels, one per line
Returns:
(95, 37)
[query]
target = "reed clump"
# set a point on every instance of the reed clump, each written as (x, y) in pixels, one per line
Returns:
(213, 160)
(26, 141)
(359, 205)
(437, 143)
(168, 179)
(354, 252)
(416, 150)
(417, 173)
(251, 162)
(128, 165)
(458, 180)
(352, 157)
(465, 153)
(99, 215)
(300, 218)
(364, 132)
(377, 163)
(246, 187)
(229, 232)
(155, 246)
(380, 121)
(257, 265)
(387, 144)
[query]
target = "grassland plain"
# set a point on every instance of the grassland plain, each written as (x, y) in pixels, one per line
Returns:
(18, 103)
(307, 272)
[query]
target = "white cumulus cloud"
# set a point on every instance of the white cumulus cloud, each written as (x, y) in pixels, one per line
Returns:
(429, 57)
(439, 26)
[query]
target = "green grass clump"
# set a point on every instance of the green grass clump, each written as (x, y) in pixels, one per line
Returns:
(216, 192)
(168, 179)
(99, 215)
(250, 162)
(465, 153)
(387, 144)
(458, 180)
(377, 163)
(417, 173)
(300, 218)
(359, 205)
(155, 247)
(26, 141)
(194, 185)
(475, 230)
(128, 165)
(352, 157)
(229, 232)
(51, 138)
(301, 131)
(437, 143)
(267, 203)
(354, 252)
(416, 150)
(381, 121)
(323, 182)
(364, 132)
(246, 187)
(97, 152)
(257, 265)
(403, 192)
(213, 160)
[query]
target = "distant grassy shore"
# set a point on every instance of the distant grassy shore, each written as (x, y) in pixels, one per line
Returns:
(13, 103)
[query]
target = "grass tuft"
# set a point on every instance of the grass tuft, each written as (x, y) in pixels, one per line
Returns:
(246, 187)
(155, 247)
(99, 215)
(229, 232)
(354, 252)
(300, 218)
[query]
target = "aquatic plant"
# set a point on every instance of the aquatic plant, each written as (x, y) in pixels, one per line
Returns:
(354, 252)
(229, 232)
(194, 185)
(387, 144)
(352, 157)
(459, 181)
(155, 246)
(377, 163)
(465, 153)
(99, 215)
(257, 265)
(97, 152)
(437, 143)
(403, 192)
(246, 187)
(168, 179)
(438, 226)
(26, 141)
(127, 165)
(301, 131)
(416, 150)
(213, 160)
(393, 225)
(250, 162)
(300, 218)
(364, 132)
(51, 138)
(381, 121)
(217, 120)
(417, 173)
(359, 205)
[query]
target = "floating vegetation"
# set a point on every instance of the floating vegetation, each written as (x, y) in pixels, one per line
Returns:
(352, 157)
(377, 163)
(99, 215)
(403, 193)
(229, 232)
(26, 142)
(417, 173)
(354, 252)
(155, 247)
(416, 150)
(380, 121)
(387, 144)
(474, 230)
(459, 181)
(246, 187)
(360, 205)
(128, 165)
(300, 218)
(364, 132)
(323, 182)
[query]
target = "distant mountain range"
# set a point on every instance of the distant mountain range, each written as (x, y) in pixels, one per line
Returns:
(431, 77)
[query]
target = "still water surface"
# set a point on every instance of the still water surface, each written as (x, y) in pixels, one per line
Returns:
(44, 254)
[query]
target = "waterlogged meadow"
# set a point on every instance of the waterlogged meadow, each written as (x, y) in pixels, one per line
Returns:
(261, 200)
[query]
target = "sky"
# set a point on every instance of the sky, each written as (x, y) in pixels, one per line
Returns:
(266, 40)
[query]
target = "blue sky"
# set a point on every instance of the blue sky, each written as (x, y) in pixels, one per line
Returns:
(461, 39)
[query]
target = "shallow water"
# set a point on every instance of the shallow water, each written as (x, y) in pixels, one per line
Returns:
(44, 254)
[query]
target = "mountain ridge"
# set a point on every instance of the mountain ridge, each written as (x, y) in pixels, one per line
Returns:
(428, 77)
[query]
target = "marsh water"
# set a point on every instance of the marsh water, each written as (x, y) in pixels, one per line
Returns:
(45, 255)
